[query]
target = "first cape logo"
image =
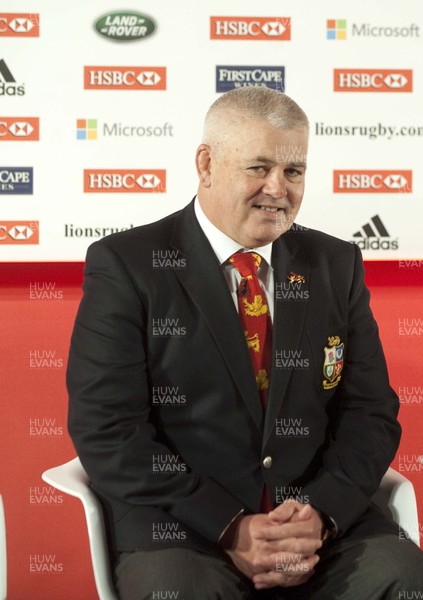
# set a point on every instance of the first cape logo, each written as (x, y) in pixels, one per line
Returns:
(333, 363)
(125, 26)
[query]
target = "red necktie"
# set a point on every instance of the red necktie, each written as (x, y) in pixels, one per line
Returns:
(255, 318)
(257, 326)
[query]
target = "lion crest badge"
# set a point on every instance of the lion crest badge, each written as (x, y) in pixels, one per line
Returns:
(333, 363)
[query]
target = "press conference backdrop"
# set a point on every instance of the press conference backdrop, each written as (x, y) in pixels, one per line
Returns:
(102, 103)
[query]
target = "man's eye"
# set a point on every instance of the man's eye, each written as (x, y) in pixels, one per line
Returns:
(258, 169)
(293, 172)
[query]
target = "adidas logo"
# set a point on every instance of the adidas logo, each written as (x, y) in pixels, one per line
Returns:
(6, 73)
(8, 85)
(374, 236)
(368, 230)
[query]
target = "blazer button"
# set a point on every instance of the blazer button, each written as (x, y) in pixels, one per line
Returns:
(267, 462)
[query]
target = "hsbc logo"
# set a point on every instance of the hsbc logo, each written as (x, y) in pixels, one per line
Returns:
(250, 28)
(396, 181)
(382, 182)
(149, 78)
(271, 29)
(19, 25)
(125, 78)
(19, 129)
(373, 80)
(395, 80)
(16, 180)
(19, 232)
(132, 181)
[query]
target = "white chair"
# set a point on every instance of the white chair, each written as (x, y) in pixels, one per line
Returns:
(397, 499)
(395, 496)
(72, 479)
(3, 560)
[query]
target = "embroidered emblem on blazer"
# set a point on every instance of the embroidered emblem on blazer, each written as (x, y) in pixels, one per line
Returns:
(333, 363)
(296, 278)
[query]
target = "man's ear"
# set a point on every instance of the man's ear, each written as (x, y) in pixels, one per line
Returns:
(203, 164)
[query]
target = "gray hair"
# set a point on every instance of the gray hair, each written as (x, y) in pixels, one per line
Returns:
(257, 102)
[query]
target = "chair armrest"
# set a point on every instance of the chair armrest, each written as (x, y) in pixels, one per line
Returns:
(397, 500)
(72, 479)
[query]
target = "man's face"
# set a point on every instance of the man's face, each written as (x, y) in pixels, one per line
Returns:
(253, 185)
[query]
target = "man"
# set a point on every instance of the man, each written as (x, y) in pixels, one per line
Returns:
(228, 392)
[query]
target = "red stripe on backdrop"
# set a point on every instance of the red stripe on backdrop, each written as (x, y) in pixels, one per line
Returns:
(396, 300)
(47, 541)
(19, 274)
(394, 273)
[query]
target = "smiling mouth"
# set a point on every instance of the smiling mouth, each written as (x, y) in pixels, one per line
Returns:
(272, 209)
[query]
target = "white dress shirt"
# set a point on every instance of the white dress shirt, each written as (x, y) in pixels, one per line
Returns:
(224, 247)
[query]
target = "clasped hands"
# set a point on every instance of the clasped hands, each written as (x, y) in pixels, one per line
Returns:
(278, 548)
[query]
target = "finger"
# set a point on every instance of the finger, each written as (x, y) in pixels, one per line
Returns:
(275, 562)
(285, 562)
(294, 564)
(303, 546)
(271, 553)
(287, 570)
(303, 514)
(286, 583)
(302, 529)
(273, 579)
(309, 528)
(285, 511)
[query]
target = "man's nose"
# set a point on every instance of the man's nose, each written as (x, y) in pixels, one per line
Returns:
(275, 184)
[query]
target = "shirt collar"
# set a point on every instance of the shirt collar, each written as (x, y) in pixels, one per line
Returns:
(222, 244)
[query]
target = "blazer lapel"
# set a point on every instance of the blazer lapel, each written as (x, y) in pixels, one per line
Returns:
(290, 308)
(205, 283)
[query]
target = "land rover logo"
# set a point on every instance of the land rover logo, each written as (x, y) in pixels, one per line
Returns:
(125, 26)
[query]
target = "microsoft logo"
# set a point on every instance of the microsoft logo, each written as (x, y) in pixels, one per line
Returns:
(86, 129)
(336, 29)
